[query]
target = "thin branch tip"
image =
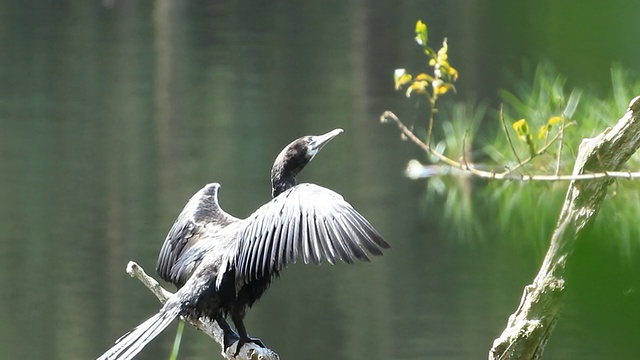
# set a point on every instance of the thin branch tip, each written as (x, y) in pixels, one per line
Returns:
(387, 117)
(132, 268)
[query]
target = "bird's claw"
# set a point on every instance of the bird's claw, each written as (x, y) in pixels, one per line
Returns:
(229, 339)
(243, 341)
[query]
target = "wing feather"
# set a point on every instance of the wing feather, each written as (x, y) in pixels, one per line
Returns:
(326, 241)
(350, 238)
(185, 244)
(306, 222)
(266, 250)
(338, 243)
(261, 247)
(282, 250)
(318, 250)
(274, 254)
(371, 232)
(247, 251)
(298, 239)
(252, 252)
(304, 242)
(292, 235)
(365, 237)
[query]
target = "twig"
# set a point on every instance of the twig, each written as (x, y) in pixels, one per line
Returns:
(248, 351)
(541, 151)
(560, 145)
(432, 114)
(464, 148)
(508, 134)
(508, 174)
(134, 270)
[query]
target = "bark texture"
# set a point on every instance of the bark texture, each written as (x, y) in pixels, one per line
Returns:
(529, 328)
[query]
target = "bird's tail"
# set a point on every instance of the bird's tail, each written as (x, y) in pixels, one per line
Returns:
(134, 341)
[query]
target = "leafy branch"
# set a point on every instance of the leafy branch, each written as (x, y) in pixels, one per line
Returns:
(439, 82)
(599, 159)
(530, 326)
(427, 85)
(469, 168)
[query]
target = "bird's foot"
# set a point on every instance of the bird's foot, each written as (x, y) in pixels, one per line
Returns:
(245, 340)
(229, 338)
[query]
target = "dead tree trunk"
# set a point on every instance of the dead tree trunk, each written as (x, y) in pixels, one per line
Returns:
(529, 328)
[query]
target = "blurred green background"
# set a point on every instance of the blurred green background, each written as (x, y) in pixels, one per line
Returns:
(113, 113)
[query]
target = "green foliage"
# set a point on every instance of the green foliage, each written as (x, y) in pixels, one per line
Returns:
(528, 211)
(443, 73)
(522, 130)
(458, 193)
(175, 350)
(542, 120)
(421, 34)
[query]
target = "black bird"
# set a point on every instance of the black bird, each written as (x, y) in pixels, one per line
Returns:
(222, 265)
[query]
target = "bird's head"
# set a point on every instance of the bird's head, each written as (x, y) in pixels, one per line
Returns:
(294, 157)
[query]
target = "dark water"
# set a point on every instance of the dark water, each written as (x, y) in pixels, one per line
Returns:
(113, 113)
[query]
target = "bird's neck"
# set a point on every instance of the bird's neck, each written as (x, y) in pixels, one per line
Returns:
(282, 181)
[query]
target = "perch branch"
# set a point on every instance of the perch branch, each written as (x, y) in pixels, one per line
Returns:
(248, 351)
(529, 328)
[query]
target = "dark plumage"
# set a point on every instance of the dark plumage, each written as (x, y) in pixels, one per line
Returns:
(222, 265)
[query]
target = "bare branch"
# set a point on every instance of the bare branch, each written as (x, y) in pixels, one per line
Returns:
(508, 135)
(560, 146)
(470, 169)
(134, 270)
(432, 114)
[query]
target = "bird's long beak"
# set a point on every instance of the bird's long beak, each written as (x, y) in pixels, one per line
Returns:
(321, 140)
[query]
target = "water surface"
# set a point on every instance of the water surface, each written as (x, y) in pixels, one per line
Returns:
(112, 114)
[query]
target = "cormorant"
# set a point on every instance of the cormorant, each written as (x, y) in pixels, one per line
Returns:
(222, 265)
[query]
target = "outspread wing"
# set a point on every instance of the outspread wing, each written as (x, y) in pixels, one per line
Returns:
(308, 222)
(183, 249)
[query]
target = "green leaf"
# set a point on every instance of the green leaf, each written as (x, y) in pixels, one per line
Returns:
(449, 72)
(572, 104)
(430, 52)
(554, 120)
(522, 129)
(419, 87)
(440, 87)
(421, 33)
(424, 77)
(176, 342)
(544, 130)
(401, 77)
(532, 146)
